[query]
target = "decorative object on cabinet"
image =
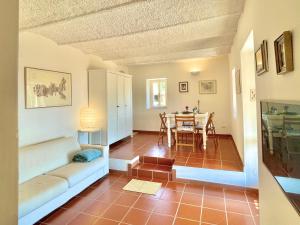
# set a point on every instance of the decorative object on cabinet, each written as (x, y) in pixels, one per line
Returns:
(238, 86)
(110, 94)
(183, 86)
(47, 88)
(207, 86)
(283, 46)
(261, 58)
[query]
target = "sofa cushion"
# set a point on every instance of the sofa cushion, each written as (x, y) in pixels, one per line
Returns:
(35, 160)
(38, 191)
(76, 172)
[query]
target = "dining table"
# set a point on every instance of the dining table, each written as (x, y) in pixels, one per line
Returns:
(200, 118)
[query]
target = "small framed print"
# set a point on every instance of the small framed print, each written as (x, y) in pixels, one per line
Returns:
(208, 87)
(261, 58)
(183, 86)
(284, 53)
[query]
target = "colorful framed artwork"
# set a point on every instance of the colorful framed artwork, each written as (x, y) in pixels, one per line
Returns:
(207, 86)
(183, 86)
(261, 58)
(283, 46)
(47, 88)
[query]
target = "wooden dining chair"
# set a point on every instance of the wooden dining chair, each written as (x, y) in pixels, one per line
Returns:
(209, 129)
(164, 129)
(181, 127)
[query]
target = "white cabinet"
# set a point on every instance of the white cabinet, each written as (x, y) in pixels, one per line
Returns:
(110, 93)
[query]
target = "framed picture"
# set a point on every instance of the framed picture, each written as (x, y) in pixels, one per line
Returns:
(238, 86)
(261, 58)
(207, 86)
(47, 88)
(183, 86)
(284, 53)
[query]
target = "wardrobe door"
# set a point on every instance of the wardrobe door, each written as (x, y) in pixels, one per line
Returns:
(121, 108)
(112, 108)
(128, 105)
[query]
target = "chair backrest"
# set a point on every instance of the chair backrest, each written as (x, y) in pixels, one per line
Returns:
(163, 120)
(181, 121)
(290, 122)
(210, 123)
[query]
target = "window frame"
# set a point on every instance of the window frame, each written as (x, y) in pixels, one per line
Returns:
(150, 95)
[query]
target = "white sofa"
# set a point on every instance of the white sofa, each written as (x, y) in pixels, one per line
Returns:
(48, 178)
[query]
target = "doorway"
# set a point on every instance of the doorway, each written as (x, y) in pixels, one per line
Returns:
(249, 112)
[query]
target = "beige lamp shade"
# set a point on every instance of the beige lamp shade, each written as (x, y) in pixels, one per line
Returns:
(88, 119)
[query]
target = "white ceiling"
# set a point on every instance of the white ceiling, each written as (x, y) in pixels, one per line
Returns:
(136, 31)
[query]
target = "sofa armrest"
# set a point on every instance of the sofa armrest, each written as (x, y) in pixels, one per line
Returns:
(86, 146)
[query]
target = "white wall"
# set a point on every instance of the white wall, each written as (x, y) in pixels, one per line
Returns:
(268, 19)
(8, 119)
(211, 69)
(37, 125)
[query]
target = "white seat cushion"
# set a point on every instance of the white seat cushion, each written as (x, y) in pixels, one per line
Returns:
(185, 128)
(76, 172)
(38, 191)
(199, 126)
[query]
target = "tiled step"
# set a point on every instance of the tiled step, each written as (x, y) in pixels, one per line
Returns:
(157, 160)
(153, 168)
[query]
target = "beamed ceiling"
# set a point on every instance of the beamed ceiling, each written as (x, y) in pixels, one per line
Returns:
(136, 31)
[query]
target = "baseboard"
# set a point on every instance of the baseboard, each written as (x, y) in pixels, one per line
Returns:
(236, 149)
(223, 135)
(157, 132)
(146, 131)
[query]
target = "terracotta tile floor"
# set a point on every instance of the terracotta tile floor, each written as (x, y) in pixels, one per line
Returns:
(224, 156)
(179, 202)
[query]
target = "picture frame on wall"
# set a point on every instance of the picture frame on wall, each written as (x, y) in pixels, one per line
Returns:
(207, 87)
(183, 86)
(283, 47)
(47, 88)
(261, 58)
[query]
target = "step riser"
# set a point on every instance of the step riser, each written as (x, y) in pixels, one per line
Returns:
(152, 174)
(153, 168)
(157, 160)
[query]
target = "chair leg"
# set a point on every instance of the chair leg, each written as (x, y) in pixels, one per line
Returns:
(161, 134)
(193, 142)
(176, 139)
(173, 137)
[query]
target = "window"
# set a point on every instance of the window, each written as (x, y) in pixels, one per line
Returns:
(156, 93)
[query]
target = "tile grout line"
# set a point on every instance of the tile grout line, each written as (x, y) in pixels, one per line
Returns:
(250, 208)
(178, 205)
(112, 201)
(202, 205)
(152, 211)
(225, 205)
(119, 180)
(131, 207)
(81, 212)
